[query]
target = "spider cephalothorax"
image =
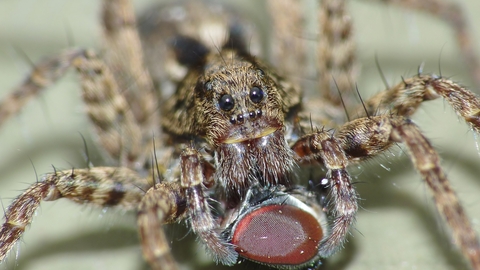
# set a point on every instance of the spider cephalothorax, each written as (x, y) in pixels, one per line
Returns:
(239, 110)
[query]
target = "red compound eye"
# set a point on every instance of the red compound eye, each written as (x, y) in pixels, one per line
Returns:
(278, 235)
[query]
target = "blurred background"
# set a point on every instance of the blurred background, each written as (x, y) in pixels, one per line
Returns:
(397, 226)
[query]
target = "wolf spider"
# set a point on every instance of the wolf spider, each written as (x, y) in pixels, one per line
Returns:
(302, 123)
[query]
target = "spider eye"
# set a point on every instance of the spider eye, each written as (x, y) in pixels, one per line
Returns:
(208, 86)
(226, 102)
(256, 94)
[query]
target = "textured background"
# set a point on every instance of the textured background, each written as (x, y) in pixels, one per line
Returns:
(397, 226)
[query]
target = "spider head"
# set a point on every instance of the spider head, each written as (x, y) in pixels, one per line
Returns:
(237, 102)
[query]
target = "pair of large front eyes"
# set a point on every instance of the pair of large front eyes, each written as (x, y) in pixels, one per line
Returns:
(227, 103)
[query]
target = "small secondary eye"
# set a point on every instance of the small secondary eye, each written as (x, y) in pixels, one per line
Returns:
(226, 102)
(256, 94)
(208, 86)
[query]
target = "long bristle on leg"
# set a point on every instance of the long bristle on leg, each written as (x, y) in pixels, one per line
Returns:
(99, 186)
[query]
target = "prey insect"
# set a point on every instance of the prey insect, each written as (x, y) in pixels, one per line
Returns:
(234, 131)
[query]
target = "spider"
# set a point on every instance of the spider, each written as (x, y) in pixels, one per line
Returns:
(361, 194)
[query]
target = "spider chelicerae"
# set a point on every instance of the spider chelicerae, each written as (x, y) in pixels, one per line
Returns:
(385, 163)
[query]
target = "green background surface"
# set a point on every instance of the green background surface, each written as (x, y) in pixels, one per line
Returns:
(397, 226)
